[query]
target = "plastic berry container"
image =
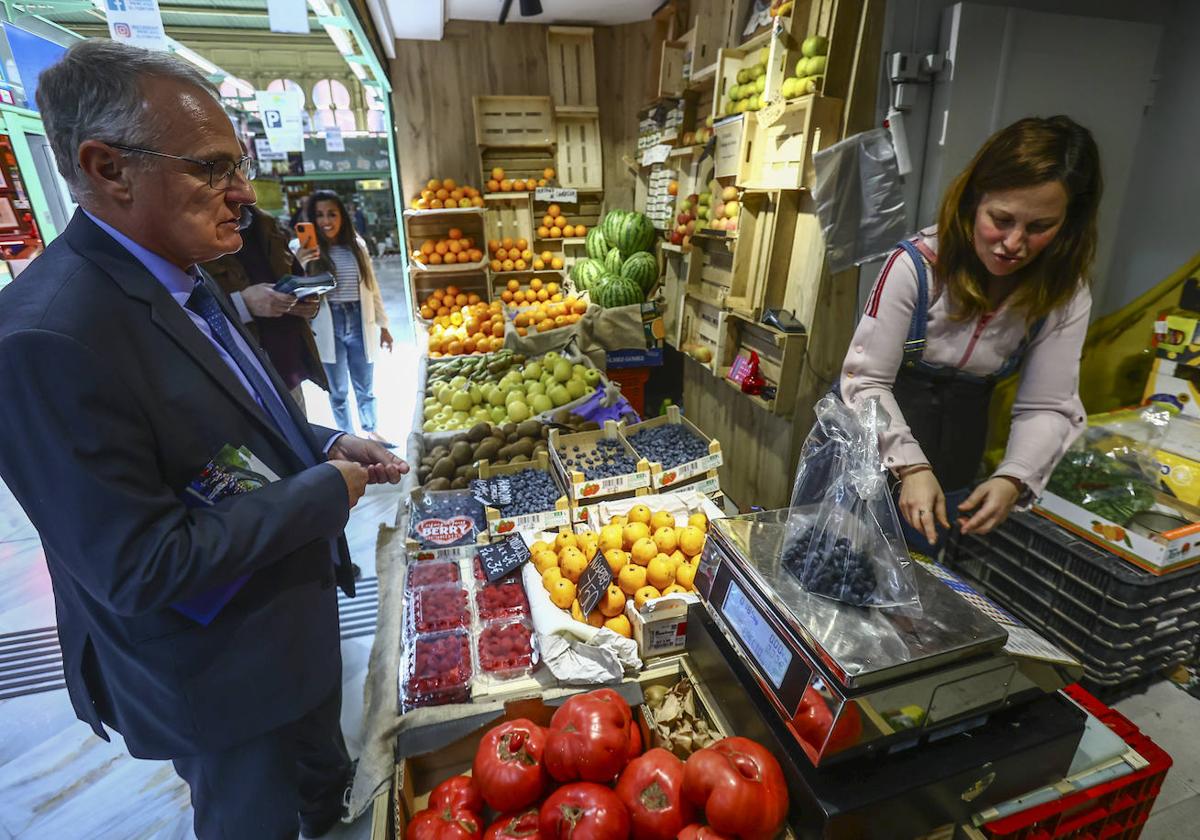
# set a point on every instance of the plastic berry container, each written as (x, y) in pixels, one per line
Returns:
(436, 608)
(438, 669)
(432, 573)
(505, 648)
(503, 599)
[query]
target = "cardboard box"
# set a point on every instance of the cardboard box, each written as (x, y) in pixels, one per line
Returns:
(1164, 386)
(681, 473)
(1180, 476)
(660, 626)
(1156, 552)
(549, 520)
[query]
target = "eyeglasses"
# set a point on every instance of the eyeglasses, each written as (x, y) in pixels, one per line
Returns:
(220, 172)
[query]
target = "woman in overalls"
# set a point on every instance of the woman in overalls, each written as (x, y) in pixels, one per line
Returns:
(999, 285)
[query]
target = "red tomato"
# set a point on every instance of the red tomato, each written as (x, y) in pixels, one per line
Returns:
(584, 811)
(432, 824)
(695, 831)
(740, 787)
(589, 737)
(508, 765)
(651, 790)
(458, 793)
(814, 721)
(522, 826)
(635, 740)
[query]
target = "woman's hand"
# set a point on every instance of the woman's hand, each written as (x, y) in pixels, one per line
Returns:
(385, 339)
(922, 502)
(307, 255)
(992, 502)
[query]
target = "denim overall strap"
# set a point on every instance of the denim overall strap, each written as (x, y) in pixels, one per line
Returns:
(914, 344)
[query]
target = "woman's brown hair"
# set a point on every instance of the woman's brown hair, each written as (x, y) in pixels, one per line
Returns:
(345, 236)
(1028, 153)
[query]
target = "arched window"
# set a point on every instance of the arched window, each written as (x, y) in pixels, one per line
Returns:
(376, 121)
(278, 85)
(335, 119)
(373, 98)
(330, 94)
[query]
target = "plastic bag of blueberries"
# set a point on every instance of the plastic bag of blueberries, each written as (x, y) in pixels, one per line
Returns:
(844, 540)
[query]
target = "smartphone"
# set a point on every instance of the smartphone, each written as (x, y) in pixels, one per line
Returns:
(307, 234)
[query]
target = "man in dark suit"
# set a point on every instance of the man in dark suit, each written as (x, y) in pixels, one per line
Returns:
(204, 635)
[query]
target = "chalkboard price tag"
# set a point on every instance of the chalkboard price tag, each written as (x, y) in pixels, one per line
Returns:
(593, 583)
(500, 559)
(493, 492)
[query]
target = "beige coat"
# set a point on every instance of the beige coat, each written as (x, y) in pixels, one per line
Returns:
(374, 316)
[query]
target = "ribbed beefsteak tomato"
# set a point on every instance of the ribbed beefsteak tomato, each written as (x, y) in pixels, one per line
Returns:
(508, 765)
(651, 789)
(589, 737)
(740, 787)
(584, 811)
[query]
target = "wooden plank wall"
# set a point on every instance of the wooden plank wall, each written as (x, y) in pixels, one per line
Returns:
(434, 83)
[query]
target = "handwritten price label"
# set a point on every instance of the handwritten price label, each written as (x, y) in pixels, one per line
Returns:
(561, 195)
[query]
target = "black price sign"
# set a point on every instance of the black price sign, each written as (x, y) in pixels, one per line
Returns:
(493, 492)
(500, 559)
(593, 583)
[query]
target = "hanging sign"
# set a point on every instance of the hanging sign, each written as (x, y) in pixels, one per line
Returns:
(290, 16)
(281, 116)
(334, 141)
(136, 22)
(262, 148)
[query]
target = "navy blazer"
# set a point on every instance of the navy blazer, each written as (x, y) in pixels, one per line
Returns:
(111, 402)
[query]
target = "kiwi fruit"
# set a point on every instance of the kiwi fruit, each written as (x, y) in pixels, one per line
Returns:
(462, 471)
(487, 450)
(520, 459)
(478, 432)
(461, 453)
(423, 473)
(509, 429)
(459, 484)
(444, 468)
(523, 447)
(438, 453)
(436, 484)
(529, 429)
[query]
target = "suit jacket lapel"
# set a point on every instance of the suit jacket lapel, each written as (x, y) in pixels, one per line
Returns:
(127, 272)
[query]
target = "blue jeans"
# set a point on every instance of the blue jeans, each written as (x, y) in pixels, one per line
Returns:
(351, 367)
(916, 540)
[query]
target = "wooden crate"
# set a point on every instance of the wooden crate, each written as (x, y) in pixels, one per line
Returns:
(733, 145)
(572, 65)
(710, 269)
(436, 225)
(585, 211)
(514, 121)
(667, 27)
(580, 162)
(425, 283)
(707, 38)
(787, 135)
(839, 21)
(730, 62)
(508, 214)
(763, 251)
(670, 74)
(780, 357)
(735, 24)
(704, 325)
(674, 288)
(518, 162)
(500, 280)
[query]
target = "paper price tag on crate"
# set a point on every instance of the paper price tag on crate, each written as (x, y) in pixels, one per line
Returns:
(656, 154)
(593, 583)
(561, 195)
(500, 559)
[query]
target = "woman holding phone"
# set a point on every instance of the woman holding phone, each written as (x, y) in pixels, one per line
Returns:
(354, 323)
(1000, 285)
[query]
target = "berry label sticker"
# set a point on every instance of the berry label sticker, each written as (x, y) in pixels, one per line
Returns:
(500, 559)
(593, 583)
(444, 531)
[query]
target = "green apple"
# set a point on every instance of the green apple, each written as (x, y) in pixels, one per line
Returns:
(461, 401)
(499, 415)
(802, 68)
(518, 411)
(578, 370)
(495, 395)
(592, 377)
(458, 382)
(533, 370)
(481, 413)
(460, 417)
(576, 388)
(540, 403)
(428, 425)
(476, 393)
(444, 394)
(515, 395)
(534, 388)
(559, 395)
(550, 358)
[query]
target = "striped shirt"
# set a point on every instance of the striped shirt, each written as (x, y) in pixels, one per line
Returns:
(345, 269)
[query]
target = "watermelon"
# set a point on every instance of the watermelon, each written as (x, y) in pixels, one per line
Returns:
(636, 233)
(613, 290)
(585, 272)
(611, 224)
(597, 246)
(642, 268)
(612, 262)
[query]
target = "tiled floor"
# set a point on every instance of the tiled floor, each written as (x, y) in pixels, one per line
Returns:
(57, 780)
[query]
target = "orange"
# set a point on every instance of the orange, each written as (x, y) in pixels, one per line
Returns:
(454, 246)
(661, 519)
(493, 186)
(470, 345)
(548, 173)
(556, 263)
(477, 201)
(547, 256)
(426, 313)
(496, 265)
(577, 611)
(518, 185)
(514, 285)
(620, 625)
(556, 232)
(442, 247)
(646, 593)
(433, 184)
(596, 619)
(522, 244)
(442, 194)
(562, 593)
(631, 578)
(498, 174)
(588, 543)
(674, 589)
(545, 559)
(691, 541)
(565, 539)
(435, 204)
(535, 284)
(435, 258)
(506, 185)
(640, 513)
(560, 221)
(698, 520)
(643, 551)
(685, 576)
(568, 231)
(507, 265)
(665, 539)
(612, 602)
(538, 265)
(633, 532)
(545, 325)
(454, 348)
(547, 220)
(493, 245)
(543, 295)
(449, 184)
(506, 242)
(520, 265)
(506, 296)
(542, 182)
(554, 210)
(457, 195)
(526, 254)
(543, 232)
(578, 307)
(464, 202)
(661, 571)
(572, 563)
(427, 247)
(580, 230)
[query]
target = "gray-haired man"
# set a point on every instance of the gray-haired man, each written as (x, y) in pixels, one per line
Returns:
(206, 634)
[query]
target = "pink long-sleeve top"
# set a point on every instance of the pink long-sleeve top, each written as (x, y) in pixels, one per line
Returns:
(1047, 416)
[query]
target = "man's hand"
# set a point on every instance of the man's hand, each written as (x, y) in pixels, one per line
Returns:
(385, 339)
(264, 302)
(355, 476)
(307, 307)
(923, 503)
(992, 501)
(382, 466)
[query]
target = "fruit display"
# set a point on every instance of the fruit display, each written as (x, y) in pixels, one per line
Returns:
(443, 302)
(749, 94)
(555, 225)
(437, 669)
(533, 491)
(781, 8)
(499, 183)
(839, 571)
(587, 777)
(539, 386)
(432, 573)
(544, 317)
(446, 194)
(505, 647)
(606, 458)
(810, 68)
(502, 599)
(685, 220)
(474, 328)
(719, 208)
(621, 268)
(516, 294)
(670, 445)
(510, 254)
(432, 609)
(477, 369)
(455, 249)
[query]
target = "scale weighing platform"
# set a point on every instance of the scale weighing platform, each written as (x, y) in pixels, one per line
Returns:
(848, 681)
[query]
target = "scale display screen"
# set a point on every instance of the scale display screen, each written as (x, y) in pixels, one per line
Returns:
(772, 654)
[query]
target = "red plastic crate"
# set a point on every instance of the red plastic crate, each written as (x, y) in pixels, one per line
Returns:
(633, 385)
(1115, 810)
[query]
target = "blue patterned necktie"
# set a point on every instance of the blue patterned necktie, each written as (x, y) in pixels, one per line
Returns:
(205, 305)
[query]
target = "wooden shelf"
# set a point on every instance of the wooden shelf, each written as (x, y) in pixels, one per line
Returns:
(703, 77)
(563, 240)
(457, 268)
(576, 111)
(685, 151)
(444, 211)
(676, 249)
(507, 196)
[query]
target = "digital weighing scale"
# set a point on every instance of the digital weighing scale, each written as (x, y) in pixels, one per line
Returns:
(847, 680)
